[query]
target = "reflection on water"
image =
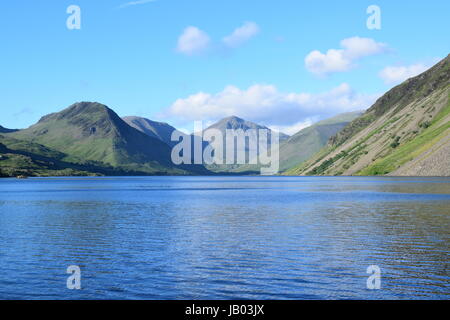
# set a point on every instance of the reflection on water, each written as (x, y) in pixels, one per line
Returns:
(225, 237)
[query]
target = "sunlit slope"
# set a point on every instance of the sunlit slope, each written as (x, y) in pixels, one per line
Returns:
(92, 131)
(405, 132)
(18, 157)
(305, 143)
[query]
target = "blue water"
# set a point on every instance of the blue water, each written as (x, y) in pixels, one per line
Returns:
(225, 237)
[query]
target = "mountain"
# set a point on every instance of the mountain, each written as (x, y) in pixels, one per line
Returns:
(158, 130)
(406, 132)
(5, 130)
(92, 131)
(236, 123)
(305, 143)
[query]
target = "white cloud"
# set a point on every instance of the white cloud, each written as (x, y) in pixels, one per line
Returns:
(193, 41)
(133, 3)
(397, 74)
(241, 35)
(266, 105)
(333, 61)
(339, 60)
(356, 47)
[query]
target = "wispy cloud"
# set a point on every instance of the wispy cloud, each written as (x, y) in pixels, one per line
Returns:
(134, 3)
(241, 35)
(23, 111)
(193, 41)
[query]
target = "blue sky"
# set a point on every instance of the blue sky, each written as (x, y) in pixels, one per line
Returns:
(168, 60)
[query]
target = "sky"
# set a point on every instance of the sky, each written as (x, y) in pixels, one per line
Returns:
(285, 63)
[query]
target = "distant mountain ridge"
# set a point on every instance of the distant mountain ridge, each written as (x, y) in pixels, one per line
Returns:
(235, 123)
(158, 130)
(305, 143)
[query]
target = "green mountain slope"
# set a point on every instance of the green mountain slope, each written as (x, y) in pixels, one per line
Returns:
(426, 155)
(305, 143)
(19, 157)
(406, 132)
(92, 131)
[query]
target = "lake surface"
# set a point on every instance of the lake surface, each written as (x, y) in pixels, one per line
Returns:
(225, 237)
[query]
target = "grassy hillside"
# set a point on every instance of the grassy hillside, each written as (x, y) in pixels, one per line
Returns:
(301, 146)
(92, 131)
(31, 159)
(412, 90)
(408, 122)
(437, 130)
(19, 157)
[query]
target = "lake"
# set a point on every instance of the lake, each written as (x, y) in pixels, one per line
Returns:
(225, 237)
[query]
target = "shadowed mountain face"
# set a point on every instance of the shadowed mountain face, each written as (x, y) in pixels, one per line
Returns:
(5, 130)
(158, 130)
(406, 132)
(92, 131)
